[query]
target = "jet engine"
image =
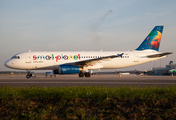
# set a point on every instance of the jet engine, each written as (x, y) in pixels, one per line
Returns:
(67, 69)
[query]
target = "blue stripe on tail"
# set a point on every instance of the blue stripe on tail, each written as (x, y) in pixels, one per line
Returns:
(152, 41)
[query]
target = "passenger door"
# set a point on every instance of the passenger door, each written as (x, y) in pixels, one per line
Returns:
(28, 57)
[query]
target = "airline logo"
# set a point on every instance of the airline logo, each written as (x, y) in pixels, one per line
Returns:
(57, 58)
(153, 39)
(120, 55)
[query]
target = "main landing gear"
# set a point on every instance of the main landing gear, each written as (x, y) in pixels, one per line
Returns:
(81, 74)
(87, 74)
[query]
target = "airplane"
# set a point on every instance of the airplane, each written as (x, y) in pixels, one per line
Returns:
(81, 62)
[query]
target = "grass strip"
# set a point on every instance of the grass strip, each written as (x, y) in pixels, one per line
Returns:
(90, 102)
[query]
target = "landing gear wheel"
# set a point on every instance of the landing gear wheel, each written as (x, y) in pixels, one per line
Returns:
(28, 76)
(81, 74)
(87, 74)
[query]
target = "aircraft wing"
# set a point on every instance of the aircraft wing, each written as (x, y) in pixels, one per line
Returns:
(159, 55)
(93, 61)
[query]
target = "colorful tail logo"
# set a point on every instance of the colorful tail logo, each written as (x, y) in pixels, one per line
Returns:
(152, 41)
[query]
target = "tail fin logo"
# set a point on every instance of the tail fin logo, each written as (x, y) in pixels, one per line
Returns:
(153, 39)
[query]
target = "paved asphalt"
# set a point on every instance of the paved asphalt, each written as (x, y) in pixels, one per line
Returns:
(95, 80)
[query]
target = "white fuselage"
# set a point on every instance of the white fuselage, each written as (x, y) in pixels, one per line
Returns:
(52, 60)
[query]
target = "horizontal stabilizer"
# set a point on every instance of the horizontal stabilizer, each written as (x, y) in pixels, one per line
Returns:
(159, 55)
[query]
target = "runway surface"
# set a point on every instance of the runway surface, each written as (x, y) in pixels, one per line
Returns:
(95, 80)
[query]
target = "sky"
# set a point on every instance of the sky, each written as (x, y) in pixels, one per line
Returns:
(85, 25)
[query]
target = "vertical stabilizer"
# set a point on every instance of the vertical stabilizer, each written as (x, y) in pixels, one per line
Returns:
(152, 41)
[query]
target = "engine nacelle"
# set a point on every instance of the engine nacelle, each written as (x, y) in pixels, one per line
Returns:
(67, 69)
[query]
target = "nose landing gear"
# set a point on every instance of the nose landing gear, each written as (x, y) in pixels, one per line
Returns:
(28, 75)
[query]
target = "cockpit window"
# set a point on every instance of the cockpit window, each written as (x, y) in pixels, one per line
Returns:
(15, 57)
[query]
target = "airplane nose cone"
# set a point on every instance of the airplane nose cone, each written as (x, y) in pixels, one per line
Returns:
(8, 64)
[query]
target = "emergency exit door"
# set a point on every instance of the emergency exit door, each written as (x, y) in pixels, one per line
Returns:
(136, 58)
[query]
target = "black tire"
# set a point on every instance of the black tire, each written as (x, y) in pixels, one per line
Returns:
(81, 74)
(28, 76)
(87, 74)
